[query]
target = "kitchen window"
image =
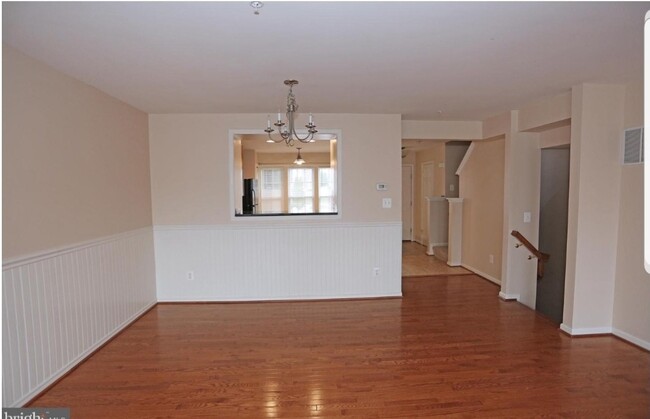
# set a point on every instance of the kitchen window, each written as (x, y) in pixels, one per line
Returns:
(297, 190)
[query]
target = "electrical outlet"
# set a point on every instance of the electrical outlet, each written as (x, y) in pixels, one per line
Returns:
(386, 203)
(189, 275)
(376, 271)
(527, 217)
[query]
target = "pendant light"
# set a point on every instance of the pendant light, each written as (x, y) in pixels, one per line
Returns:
(299, 160)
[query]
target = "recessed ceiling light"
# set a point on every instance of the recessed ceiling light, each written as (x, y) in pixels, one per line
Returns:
(257, 5)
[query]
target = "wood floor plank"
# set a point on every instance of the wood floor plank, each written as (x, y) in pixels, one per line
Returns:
(449, 347)
(416, 262)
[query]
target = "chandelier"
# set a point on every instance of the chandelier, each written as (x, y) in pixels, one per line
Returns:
(287, 131)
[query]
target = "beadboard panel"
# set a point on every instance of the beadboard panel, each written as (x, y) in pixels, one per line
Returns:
(61, 305)
(261, 262)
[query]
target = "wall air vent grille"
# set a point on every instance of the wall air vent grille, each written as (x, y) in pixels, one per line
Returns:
(633, 146)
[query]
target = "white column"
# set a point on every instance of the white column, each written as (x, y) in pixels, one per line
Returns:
(520, 195)
(594, 194)
(438, 217)
(455, 246)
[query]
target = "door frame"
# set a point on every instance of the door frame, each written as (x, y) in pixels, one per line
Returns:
(412, 197)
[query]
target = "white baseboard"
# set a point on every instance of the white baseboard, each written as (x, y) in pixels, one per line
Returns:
(585, 331)
(483, 274)
(227, 299)
(508, 297)
(630, 338)
(580, 331)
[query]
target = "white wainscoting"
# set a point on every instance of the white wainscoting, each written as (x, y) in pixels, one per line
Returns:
(258, 261)
(60, 305)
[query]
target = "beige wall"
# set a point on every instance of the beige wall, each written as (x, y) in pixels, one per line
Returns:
(75, 160)
(594, 203)
(190, 162)
(632, 287)
(409, 158)
(521, 195)
(497, 125)
(249, 163)
(545, 113)
(556, 137)
(439, 130)
(436, 155)
(454, 154)
(481, 186)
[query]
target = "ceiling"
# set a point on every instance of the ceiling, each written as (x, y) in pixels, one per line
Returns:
(424, 60)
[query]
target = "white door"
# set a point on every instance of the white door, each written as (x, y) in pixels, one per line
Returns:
(407, 202)
(428, 169)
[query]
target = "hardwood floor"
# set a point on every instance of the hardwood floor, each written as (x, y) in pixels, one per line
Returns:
(416, 262)
(450, 346)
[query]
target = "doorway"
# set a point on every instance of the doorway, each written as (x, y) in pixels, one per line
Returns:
(407, 202)
(553, 220)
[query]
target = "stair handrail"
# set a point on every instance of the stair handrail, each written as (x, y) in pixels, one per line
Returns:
(541, 256)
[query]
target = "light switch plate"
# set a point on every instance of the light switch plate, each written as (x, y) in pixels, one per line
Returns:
(382, 187)
(527, 217)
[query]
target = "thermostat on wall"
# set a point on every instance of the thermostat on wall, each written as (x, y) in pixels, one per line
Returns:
(382, 187)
